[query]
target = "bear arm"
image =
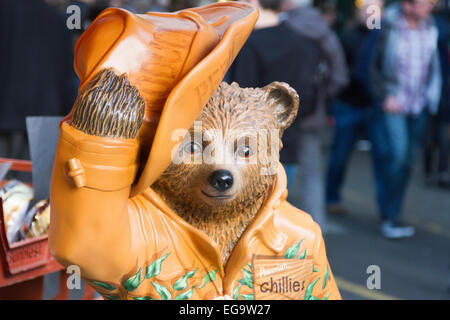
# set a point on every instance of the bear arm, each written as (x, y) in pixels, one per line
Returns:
(89, 193)
(322, 280)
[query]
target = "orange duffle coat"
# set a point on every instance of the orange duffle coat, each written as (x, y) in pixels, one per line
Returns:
(138, 248)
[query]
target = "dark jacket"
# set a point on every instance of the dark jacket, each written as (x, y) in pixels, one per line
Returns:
(281, 54)
(444, 55)
(37, 76)
(309, 22)
(354, 39)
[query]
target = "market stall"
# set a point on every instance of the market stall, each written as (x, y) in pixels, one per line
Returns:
(24, 255)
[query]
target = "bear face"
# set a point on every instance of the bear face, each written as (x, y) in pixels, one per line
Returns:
(223, 169)
(225, 165)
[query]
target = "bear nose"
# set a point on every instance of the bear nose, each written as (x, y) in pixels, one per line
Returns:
(221, 180)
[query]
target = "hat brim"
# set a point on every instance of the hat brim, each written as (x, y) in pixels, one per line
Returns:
(234, 22)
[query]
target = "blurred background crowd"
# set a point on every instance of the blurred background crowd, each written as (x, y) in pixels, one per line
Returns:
(372, 75)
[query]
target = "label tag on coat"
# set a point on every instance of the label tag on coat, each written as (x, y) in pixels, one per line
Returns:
(276, 278)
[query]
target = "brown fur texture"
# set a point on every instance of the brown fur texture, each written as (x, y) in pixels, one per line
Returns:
(231, 112)
(109, 106)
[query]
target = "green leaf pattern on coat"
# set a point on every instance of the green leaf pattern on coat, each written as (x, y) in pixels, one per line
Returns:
(302, 255)
(292, 251)
(236, 292)
(152, 271)
(163, 292)
(182, 282)
(133, 282)
(155, 268)
(309, 289)
(247, 280)
(326, 277)
(143, 298)
(210, 277)
(103, 285)
(185, 295)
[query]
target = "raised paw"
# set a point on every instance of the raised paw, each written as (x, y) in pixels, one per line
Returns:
(109, 106)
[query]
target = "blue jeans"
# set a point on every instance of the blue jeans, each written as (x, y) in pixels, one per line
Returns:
(291, 171)
(349, 122)
(404, 139)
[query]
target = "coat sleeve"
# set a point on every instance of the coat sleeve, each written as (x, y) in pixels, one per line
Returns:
(383, 79)
(91, 183)
(246, 69)
(322, 284)
(434, 85)
(339, 75)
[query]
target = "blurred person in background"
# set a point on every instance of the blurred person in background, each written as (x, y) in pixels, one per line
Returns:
(406, 79)
(307, 20)
(354, 111)
(160, 5)
(176, 5)
(140, 6)
(277, 52)
(437, 138)
(36, 70)
(329, 13)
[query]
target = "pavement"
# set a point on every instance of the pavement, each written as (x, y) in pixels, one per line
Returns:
(415, 268)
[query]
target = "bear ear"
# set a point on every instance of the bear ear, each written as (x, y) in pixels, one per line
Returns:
(284, 101)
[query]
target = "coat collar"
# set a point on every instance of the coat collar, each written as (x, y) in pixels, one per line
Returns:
(261, 229)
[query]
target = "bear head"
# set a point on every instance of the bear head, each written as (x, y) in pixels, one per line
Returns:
(227, 161)
(223, 169)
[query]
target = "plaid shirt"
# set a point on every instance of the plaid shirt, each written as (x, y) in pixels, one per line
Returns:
(415, 50)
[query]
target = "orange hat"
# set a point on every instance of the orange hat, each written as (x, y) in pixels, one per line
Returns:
(176, 60)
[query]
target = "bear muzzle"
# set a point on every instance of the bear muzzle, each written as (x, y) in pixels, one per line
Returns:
(221, 180)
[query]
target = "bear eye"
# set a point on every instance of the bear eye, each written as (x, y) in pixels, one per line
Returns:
(244, 152)
(192, 148)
